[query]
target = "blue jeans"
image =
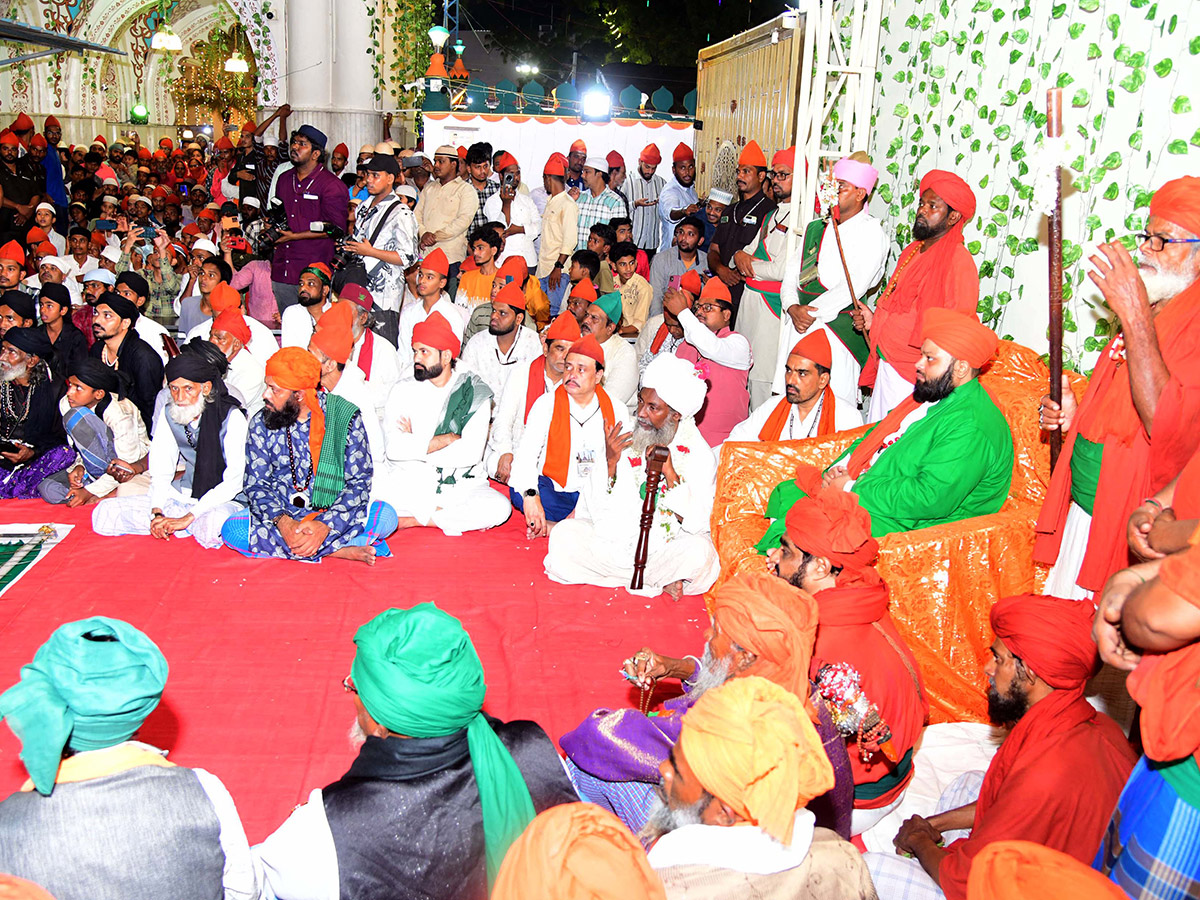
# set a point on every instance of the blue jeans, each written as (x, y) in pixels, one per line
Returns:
(556, 295)
(557, 504)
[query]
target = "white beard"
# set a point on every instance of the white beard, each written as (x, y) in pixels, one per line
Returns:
(1163, 284)
(12, 373)
(645, 438)
(356, 736)
(184, 415)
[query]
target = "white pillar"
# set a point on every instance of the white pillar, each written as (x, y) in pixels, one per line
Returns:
(309, 54)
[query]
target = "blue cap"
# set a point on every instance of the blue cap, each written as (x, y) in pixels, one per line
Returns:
(315, 136)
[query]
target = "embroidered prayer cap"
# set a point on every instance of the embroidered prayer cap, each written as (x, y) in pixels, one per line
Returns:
(677, 383)
(320, 269)
(590, 347)
(784, 157)
(610, 303)
(341, 150)
(1023, 870)
(859, 174)
(563, 328)
(514, 269)
(505, 160)
(716, 289)
(690, 282)
(417, 673)
(831, 523)
(719, 196)
(334, 334)
(1178, 201)
(577, 851)
(960, 334)
(814, 346)
(358, 295)
(369, 149)
(102, 275)
(615, 160)
(224, 297)
(233, 323)
(599, 163)
(953, 190)
(436, 261)
(436, 332)
(650, 155)
(30, 340)
(125, 309)
(682, 153)
(773, 620)
(1053, 636)
(753, 747)
(511, 295)
(584, 289)
(447, 150)
(90, 686)
(556, 165)
(752, 155)
(578, 146)
(13, 251)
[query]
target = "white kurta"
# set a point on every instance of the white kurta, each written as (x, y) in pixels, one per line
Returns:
(483, 356)
(246, 379)
(755, 319)
(598, 548)
(354, 388)
(385, 369)
(151, 332)
(621, 371)
(524, 213)
(845, 417)
(448, 488)
(296, 325)
(508, 417)
(413, 313)
(262, 341)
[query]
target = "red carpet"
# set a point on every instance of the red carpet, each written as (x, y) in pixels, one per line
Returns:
(258, 648)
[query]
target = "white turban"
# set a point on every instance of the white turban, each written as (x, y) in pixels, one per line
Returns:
(677, 382)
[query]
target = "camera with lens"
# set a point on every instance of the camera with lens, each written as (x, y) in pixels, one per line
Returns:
(275, 219)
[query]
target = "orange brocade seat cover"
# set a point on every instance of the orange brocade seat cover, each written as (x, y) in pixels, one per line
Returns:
(944, 579)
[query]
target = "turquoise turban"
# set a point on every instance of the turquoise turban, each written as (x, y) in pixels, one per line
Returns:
(417, 673)
(90, 686)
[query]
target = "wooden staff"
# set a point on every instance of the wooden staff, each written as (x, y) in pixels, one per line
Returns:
(1055, 236)
(655, 458)
(837, 236)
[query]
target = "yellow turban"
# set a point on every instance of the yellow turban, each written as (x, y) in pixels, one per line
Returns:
(576, 851)
(753, 747)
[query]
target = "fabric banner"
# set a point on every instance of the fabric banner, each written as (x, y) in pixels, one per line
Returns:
(22, 545)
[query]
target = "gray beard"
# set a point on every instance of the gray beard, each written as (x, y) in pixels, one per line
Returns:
(713, 673)
(664, 819)
(184, 415)
(12, 373)
(356, 736)
(1163, 284)
(645, 438)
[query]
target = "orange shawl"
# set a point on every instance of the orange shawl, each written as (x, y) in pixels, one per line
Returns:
(537, 383)
(877, 436)
(772, 429)
(558, 441)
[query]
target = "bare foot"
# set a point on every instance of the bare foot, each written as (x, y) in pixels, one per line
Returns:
(364, 554)
(674, 590)
(408, 522)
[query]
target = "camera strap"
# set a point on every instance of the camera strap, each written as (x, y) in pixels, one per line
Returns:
(379, 230)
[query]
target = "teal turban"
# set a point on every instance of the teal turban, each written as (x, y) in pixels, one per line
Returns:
(90, 686)
(611, 304)
(417, 673)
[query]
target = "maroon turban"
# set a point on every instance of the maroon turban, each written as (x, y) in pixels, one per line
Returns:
(1052, 635)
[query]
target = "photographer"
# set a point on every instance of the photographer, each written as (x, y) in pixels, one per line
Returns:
(517, 211)
(385, 236)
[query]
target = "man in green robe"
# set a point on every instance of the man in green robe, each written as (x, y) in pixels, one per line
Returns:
(944, 454)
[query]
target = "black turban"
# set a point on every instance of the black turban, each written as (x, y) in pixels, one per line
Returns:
(30, 340)
(20, 303)
(58, 293)
(95, 374)
(135, 282)
(118, 304)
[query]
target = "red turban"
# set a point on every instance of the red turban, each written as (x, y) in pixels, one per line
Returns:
(233, 323)
(590, 347)
(564, 328)
(210, 214)
(816, 347)
(615, 159)
(462, 152)
(715, 289)
(13, 251)
(650, 155)
(159, 191)
(143, 153)
(956, 192)
(190, 228)
(166, 143)
(682, 152)
(585, 290)
(295, 369)
(752, 155)
(960, 334)
(436, 332)
(774, 621)
(1023, 870)
(224, 297)
(785, 157)
(436, 261)
(690, 282)
(22, 123)
(1178, 201)
(831, 523)
(556, 165)
(52, 122)
(512, 295)
(341, 150)
(334, 334)
(505, 160)
(1052, 635)
(579, 146)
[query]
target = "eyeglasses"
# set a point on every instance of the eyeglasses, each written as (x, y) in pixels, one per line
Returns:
(1157, 242)
(708, 307)
(348, 685)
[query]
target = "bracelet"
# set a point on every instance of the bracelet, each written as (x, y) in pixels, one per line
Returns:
(699, 666)
(1151, 500)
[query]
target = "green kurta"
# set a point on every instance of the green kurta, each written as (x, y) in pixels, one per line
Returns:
(955, 463)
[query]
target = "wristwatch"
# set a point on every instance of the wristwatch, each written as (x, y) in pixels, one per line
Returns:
(532, 492)
(558, 265)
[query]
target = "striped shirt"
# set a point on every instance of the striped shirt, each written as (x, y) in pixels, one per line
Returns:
(645, 218)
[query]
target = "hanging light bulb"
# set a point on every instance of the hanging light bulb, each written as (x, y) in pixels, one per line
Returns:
(438, 35)
(236, 63)
(166, 39)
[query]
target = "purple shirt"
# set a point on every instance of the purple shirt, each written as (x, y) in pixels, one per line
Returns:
(321, 197)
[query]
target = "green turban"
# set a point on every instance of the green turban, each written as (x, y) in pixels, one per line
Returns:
(90, 686)
(611, 304)
(417, 673)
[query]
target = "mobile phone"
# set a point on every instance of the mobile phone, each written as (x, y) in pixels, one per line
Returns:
(149, 234)
(116, 464)
(106, 225)
(228, 222)
(674, 283)
(182, 188)
(239, 243)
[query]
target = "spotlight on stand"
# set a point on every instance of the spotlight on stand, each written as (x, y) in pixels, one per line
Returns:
(595, 105)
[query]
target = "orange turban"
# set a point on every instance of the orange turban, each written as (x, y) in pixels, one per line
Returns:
(1178, 201)
(295, 369)
(1023, 870)
(953, 190)
(334, 334)
(45, 248)
(576, 851)
(584, 289)
(514, 268)
(816, 347)
(39, 140)
(590, 347)
(1053, 636)
(831, 523)
(22, 123)
(785, 157)
(224, 297)
(650, 155)
(436, 332)
(752, 155)
(960, 334)
(233, 323)
(690, 282)
(564, 328)
(774, 621)
(715, 289)
(752, 746)
(512, 295)
(436, 261)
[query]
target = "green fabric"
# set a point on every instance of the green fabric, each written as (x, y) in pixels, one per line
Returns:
(773, 301)
(1085, 472)
(810, 282)
(843, 326)
(878, 788)
(10, 550)
(330, 477)
(90, 686)
(611, 304)
(463, 403)
(1183, 776)
(954, 464)
(417, 673)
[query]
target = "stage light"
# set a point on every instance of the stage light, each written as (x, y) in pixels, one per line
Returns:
(595, 105)
(139, 114)
(438, 35)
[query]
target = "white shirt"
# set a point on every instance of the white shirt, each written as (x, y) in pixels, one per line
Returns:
(742, 848)
(299, 861)
(732, 350)
(385, 369)
(262, 341)
(412, 314)
(246, 380)
(845, 417)
(483, 357)
(296, 325)
(353, 387)
(130, 440)
(508, 419)
(866, 246)
(423, 403)
(620, 370)
(151, 332)
(164, 462)
(524, 213)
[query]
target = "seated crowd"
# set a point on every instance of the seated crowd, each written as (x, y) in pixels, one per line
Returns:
(185, 350)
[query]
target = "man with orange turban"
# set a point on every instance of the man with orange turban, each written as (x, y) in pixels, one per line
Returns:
(1148, 623)
(431, 297)
(508, 344)
(245, 378)
(576, 851)
(732, 818)
(308, 473)
(1054, 780)
(643, 189)
(1135, 427)
(761, 625)
(435, 431)
(934, 271)
(222, 297)
(828, 551)
(1022, 870)
(944, 454)
(741, 221)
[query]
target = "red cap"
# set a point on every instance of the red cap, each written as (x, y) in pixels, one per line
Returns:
(437, 262)
(785, 157)
(752, 155)
(22, 123)
(515, 268)
(588, 346)
(45, 248)
(462, 152)
(342, 150)
(232, 322)
(358, 295)
(143, 153)
(682, 152)
(159, 191)
(556, 165)
(166, 143)
(189, 228)
(715, 289)
(650, 154)
(224, 143)
(174, 200)
(334, 334)
(35, 236)
(585, 290)
(13, 251)
(579, 146)
(436, 332)
(207, 214)
(224, 297)
(52, 122)
(39, 140)
(505, 160)
(101, 139)
(564, 328)
(7, 137)
(816, 347)
(690, 282)
(159, 154)
(615, 159)
(511, 295)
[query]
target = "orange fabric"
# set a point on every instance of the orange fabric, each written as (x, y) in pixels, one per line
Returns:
(715, 289)
(831, 523)
(436, 332)
(690, 282)
(295, 369)
(682, 152)
(650, 155)
(752, 746)
(1186, 502)
(1134, 466)
(537, 382)
(556, 165)
(515, 268)
(334, 334)
(584, 289)
(816, 347)
(13, 888)
(511, 295)
(960, 334)
(785, 157)
(1052, 635)
(224, 297)
(660, 338)
(558, 440)
(1178, 201)
(45, 248)
(505, 160)
(13, 251)
(232, 322)
(436, 261)
(1023, 870)
(752, 155)
(578, 146)
(563, 328)
(1167, 688)
(576, 851)
(774, 621)
(772, 429)
(35, 236)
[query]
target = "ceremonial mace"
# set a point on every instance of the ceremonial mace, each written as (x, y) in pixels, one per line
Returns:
(1055, 239)
(656, 456)
(835, 213)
